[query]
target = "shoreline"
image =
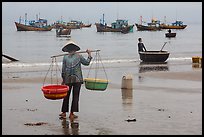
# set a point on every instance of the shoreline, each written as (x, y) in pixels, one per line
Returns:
(162, 102)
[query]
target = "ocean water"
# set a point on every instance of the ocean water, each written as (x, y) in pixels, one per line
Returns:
(36, 48)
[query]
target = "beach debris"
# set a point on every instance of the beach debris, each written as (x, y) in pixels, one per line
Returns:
(160, 109)
(31, 109)
(169, 116)
(15, 77)
(131, 120)
(35, 124)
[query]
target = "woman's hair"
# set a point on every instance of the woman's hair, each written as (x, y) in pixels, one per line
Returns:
(139, 39)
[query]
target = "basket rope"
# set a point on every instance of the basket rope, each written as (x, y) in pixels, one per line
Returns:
(53, 67)
(98, 60)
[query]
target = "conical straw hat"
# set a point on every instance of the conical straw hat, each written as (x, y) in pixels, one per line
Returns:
(70, 46)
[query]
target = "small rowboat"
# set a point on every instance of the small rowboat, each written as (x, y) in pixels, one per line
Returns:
(63, 32)
(154, 56)
(169, 35)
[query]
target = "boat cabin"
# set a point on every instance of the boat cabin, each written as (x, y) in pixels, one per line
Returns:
(177, 23)
(39, 23)
(155, 23)
(119, 24)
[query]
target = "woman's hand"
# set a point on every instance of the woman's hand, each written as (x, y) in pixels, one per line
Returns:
(89, 52)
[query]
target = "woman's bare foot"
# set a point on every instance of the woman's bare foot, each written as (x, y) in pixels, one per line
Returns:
(72, 116)
(63, 114)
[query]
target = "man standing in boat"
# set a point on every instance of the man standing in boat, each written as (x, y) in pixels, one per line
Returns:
(141, 47)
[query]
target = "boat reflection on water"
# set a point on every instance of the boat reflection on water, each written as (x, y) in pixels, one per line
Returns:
(147, 67)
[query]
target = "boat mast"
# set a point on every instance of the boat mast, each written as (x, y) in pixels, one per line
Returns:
(20, 19)
(39, 16)
(141, 20)
(164, 19)
(61, 20)
(103, 19)
(117, 11)
(36, 17)
(25, 18)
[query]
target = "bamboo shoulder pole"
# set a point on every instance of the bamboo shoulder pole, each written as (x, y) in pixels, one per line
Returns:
(75, 52)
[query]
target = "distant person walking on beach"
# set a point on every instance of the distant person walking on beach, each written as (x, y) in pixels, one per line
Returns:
(72, 76)
(141, 47)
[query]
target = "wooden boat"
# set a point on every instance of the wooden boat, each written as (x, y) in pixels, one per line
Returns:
(63, 32)
(105, 28)
(154, 25)
(169, 35)
(22, 27)
(119, 25)
(147, 27)
(68, 25)
(175, 25)
(85, 25)
(154, 56)
(74, 24)
(33, 25)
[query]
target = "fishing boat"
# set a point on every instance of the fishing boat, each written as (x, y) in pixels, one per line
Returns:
(154, 56)
(63, 32)
(154, 25)
(73, 24)
(174, 25)
(22, 27)
(120, 25)
(33, 25)
(148, 27)
(169, 35)
(85, 25)
(105, 28)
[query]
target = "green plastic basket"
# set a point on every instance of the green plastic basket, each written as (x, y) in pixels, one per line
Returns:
(96, 84)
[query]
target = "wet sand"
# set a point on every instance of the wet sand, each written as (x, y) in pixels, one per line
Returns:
(163, 102)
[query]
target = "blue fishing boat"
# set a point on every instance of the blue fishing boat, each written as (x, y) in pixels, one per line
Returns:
(120, 25)
(33, 25)
(175, 25)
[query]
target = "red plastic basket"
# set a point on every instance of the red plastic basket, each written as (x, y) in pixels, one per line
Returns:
(55, 91)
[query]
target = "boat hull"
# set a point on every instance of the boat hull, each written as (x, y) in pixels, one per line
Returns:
(173, 27)
(154, 56)
(102, 28)
(86, 25)
(22, 27)
(147, 28)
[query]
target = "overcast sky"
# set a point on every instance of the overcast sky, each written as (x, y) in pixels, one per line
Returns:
(188, 12)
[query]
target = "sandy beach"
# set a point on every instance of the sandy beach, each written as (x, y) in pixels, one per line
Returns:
(162, 102)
